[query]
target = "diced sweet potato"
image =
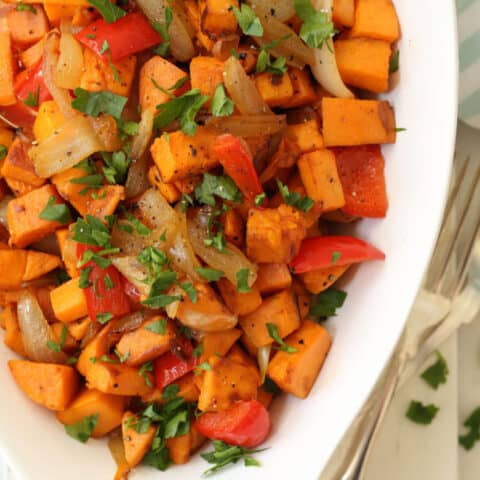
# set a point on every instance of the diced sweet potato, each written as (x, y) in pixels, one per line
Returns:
(32, 55)
(248, 345)
(318, 171)
(364, 63)
(317, 281)
(38, 264)
(99, 75)
(90, 402)
(239, 303)
(168, 190)
(49, 119)
(13, 335)
(187, 389)
(296, 372)
(233, 227)
(143, 345)
(7, 136)
(14, 262)
(27, 27)
(218, 343)
(306, 135)
(376, 19)
(343, 13)
(78, 328)
(276, 90)
(56, 12)
(193, 13)
(68, 249)
(136, 444)
(161, 72)
(7, 94)
(53, 386)
(274, 235)
(179, 156)
(206, 73)
(303, 92)
(226, 382)
(280, 309)
(68, 301)
(272, 277)
(70, 344)
(217, 19)
(23, 217)
(180, 448)
(19, 166)
(18, 187)
(349, 122)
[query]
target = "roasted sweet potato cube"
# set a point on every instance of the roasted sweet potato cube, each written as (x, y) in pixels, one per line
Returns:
(78, 328)
(179, 156)
(68, 301)
(233, 227)
(276, 90)
(306, 135)
(274, 235)
(206, 73)
(91, 402)
(19, 166)
(53, 386)
(296, 373)
(228, 381)
(70, 344)
(217, 19)
(239, 303)
(343, 13)
(143, 345)
(180, 448)
(218, 343)
(136, 444)
(168, 190)
(318, 171)
(364, 63)
(317, 281)
(376, 19)
(7, 92)
(27, 27)
(272, 277)
(280, 309)
(187, 389)
(18, 187)
(13, 335)
(348, 122)
(303, 92)
(24, 222)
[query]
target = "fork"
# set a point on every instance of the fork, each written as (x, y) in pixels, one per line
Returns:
(444, 280)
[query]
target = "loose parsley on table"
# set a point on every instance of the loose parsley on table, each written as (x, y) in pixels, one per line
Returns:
(437, 373)
(422, 414)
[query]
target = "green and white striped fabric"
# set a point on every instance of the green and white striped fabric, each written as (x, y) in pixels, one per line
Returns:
(469, 50)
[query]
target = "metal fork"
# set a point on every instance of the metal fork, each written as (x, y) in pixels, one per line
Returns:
(445, 278)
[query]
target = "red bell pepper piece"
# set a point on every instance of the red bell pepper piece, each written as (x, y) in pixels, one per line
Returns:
(130, 34)
(246, 423)
(237, 162)
(361, 171)
(19, 114)
(31, 82)
(99, 297)
(170, 366)
(324, 252)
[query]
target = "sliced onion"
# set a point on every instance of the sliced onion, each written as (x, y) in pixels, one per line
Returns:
(283, 9)
(3, 210)
(248, 125)
(137, 178)
(70, 61)
(117, 449)
(129, 243)
(133, 271)
(263, 356)
(324, 68)
(105, 128)
(50, 60)
(292, 48)
(229, 262)
(181, 45)
(36, 331)
(242, 89)
(92, 330)
(129, 322)
(73, 142)
(222, 49)
(142, 138)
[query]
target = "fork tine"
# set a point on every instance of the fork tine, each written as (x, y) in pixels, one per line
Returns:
(459, 198)
(457, 264)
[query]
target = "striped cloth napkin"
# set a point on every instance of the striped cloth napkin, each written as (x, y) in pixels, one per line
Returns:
(468, 12)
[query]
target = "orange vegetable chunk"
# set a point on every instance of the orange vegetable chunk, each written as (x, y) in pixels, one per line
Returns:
(136, 444)
(68, 301)
(376, 19)
(239, 303)
(272, 277)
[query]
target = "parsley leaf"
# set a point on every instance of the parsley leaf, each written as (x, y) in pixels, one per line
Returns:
(422, 414)
(160, 300)
(316, 27)
(198, 350)
(325, 304)
(216, 185)
(336, 257)
(108, 10)
(224, 454)
(205, 366)
(91, 231)
(468, 440)
(222, 106)
(436, 373)
(143, 372)
(162, 30)
(158, 326)
(95, 103)
(3, 151)
(242, 280)
(273, 332)
(84, 280)
(170, 392)
(209, 274)
(25, 7)
(55, 212)
(183, 108)
(190, 290)
(265, 64)
(248, 20)
(33, 98)
(394, 62)
(294, 198)
(57, 347)
(185, 201)
(82, 430)
(104, 317)
(217, 241)
(259, 199)
(116, 166)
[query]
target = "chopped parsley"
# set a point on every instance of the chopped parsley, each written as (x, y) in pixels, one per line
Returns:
(259, 199)
(204, 366)
(198, 350)
(422, 414)
(221, 186)
(108, 10)
(209, 274)
(158, 326)
(248, 20)
(91, 231)
(264, 63)
(104, 317)
(162, 30)
(55, 212)
(25, 7)
(95, 103)
(190, 290)
(83, 429)
(325, 303)
(394, 62)
(57, 347)
(33, 99)
(185, 201)
(294, 199)
(468, 440)
(116, 166)
(145, 369)
(336, 257)
(316, 28)
(274, 335)
(84, 280)
(222, 106)
(170, 392)
(242, 280)
(3, 151)
(437, 373)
